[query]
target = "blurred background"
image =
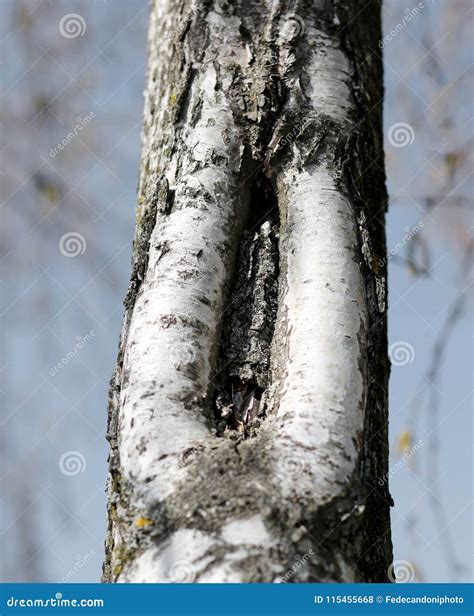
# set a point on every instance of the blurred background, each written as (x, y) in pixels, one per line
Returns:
(72, 79)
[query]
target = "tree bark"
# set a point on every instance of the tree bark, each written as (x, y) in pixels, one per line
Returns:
(248, 409)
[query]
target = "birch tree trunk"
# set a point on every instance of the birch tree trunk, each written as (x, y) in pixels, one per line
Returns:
(248, 411)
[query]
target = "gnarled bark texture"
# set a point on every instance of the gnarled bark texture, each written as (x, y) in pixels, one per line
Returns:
(248, 412)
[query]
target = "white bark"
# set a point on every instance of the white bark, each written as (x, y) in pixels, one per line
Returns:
(208, 481)
(320, 416)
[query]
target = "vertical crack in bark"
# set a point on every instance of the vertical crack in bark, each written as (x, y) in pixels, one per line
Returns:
(242, 380)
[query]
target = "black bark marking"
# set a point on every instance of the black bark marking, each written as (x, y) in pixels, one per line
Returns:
(249, 317)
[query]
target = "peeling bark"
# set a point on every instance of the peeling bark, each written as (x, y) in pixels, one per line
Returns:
(248, 409)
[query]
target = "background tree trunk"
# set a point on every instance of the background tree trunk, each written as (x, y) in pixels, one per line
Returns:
(248, 412)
